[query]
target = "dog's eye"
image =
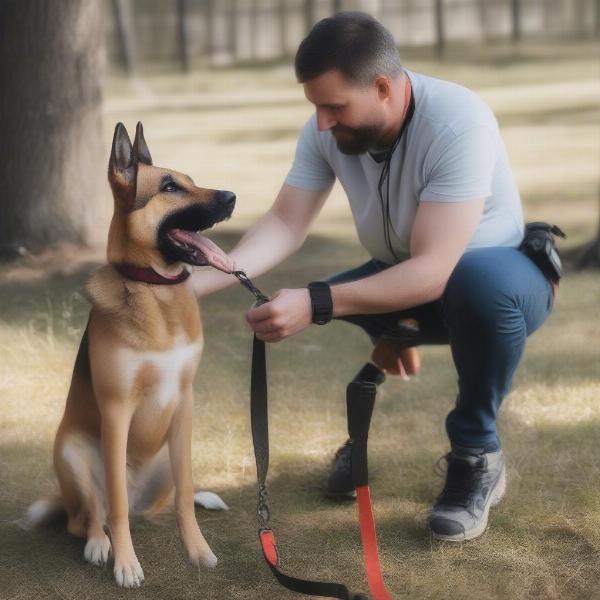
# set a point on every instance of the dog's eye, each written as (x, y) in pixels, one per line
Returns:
(169, 186)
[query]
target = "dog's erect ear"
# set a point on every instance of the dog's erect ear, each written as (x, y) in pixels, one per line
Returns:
(122, 166)
(140, 148)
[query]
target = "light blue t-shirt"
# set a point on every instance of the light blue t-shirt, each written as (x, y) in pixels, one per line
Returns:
(451, 151)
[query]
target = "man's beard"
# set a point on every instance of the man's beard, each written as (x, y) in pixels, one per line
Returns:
(356, 140)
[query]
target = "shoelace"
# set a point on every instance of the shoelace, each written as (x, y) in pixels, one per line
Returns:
(463, 478)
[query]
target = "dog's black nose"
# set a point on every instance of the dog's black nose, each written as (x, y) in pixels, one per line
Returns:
(227, 199)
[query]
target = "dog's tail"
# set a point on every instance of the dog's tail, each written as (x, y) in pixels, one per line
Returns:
(42, 511)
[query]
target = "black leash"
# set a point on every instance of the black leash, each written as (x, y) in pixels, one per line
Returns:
(359, 417)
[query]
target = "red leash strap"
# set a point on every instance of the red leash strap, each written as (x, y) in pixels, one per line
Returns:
(368, 536)
(269, 547)
(360, 401)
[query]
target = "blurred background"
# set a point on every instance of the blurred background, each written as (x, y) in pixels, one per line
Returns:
(213, 83)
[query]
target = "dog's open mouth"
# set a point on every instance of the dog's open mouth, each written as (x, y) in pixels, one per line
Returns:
(199, 250)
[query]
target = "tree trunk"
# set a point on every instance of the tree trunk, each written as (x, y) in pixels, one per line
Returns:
(52, 164)
(590, 256)
(232, 29)
(182, 35)
(210, 42)
(283, 28)
(516, 20)
(123, 22)
(440, 30)
(308, 15)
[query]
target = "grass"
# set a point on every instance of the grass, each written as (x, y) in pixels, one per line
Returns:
(543, 540)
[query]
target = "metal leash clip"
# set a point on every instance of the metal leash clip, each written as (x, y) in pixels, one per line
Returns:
(247, 283)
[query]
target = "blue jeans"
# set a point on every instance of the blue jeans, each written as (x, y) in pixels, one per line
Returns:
(494, 299)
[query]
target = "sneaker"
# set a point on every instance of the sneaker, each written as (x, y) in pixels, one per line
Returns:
(339, 483)
(474, 483)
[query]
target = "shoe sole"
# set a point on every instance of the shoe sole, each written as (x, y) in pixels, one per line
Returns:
(351, 495)
(494, 499)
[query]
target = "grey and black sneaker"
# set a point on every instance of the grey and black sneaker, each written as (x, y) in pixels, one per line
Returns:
(474, 483)
(339, 483)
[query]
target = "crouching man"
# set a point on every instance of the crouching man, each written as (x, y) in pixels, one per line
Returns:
(436, 206)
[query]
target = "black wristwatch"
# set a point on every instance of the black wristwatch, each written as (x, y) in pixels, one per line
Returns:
(320, 299)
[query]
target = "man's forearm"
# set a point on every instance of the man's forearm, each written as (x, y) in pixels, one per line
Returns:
(416, 281)
(267, 243)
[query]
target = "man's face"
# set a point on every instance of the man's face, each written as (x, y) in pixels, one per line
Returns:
(351, 111)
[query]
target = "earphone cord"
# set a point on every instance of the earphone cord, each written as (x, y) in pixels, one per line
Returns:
(385, 177)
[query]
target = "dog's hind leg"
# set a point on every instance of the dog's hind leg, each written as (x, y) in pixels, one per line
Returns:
(155, 487)
(79, 467)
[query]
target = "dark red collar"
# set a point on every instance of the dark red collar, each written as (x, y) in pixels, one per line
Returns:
(149, 275)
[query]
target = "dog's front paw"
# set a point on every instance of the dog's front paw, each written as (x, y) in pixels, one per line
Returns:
(198, 551)
(205, 558)
(128, 573)
(97, 550)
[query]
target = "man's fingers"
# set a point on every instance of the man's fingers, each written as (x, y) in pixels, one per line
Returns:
(270, 337)
(410, 360)
(265, 327)
(259, 313)
(402, 370)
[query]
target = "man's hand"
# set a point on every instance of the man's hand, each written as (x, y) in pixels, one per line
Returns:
(394, 361)
(289, 312)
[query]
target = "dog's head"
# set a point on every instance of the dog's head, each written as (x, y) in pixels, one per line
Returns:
(159, 212)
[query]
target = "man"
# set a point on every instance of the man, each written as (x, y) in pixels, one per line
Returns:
(436, 206)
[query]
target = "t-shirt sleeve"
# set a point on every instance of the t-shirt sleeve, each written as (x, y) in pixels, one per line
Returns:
(462, 167)
(310, 169)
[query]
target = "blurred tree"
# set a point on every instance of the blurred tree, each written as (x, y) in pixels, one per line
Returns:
(232, 26)
(123, 21)
(210, 42)
(440, 31)
(182, 35)
(516, 19)
(52, 162)
(309, 14)
(283, 28)
(590, 256)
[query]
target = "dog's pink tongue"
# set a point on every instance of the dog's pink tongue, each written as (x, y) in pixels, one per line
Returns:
(213, 254)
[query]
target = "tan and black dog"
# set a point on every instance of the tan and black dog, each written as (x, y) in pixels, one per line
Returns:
(124, 443)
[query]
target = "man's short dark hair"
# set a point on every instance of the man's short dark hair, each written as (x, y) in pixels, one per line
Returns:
(354, 43)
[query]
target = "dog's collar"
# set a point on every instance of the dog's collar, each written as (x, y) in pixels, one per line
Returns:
(149, 275)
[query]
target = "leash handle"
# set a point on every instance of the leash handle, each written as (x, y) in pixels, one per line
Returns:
(360, 401)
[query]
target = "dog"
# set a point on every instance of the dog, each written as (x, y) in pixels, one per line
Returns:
(124, 443)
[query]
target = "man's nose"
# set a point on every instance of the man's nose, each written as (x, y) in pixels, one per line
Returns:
(324, 120)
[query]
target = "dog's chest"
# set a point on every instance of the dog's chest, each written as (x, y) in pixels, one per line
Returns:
(158, 377)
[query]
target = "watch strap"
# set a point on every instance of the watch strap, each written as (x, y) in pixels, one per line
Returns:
(321, 302)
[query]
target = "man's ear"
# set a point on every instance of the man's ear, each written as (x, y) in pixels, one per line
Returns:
(140, 148)
(122, 166)
(384, 87)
